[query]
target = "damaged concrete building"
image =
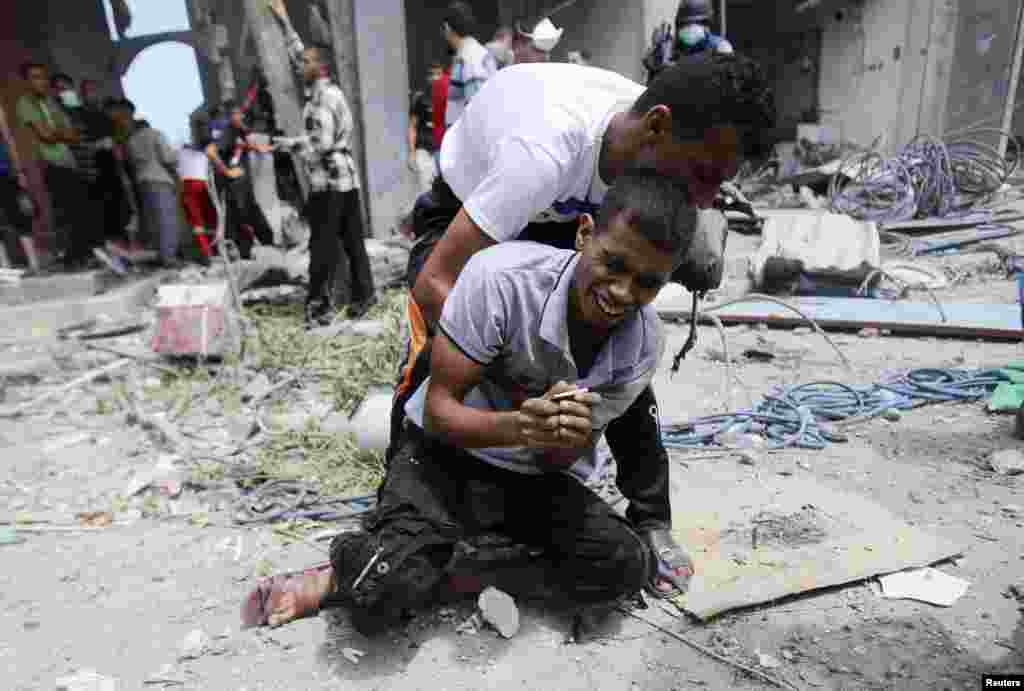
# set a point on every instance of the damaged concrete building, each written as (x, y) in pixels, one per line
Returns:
(865, 70)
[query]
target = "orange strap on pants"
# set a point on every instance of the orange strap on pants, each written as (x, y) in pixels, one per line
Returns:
(418, 335)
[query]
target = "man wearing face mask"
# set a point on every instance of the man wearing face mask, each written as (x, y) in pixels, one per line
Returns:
(691, 40)
(54, 133)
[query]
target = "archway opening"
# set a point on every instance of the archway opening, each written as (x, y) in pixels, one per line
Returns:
(163, 82)
(149, 17)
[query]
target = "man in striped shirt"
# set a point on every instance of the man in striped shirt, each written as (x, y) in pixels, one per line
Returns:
(333, 208)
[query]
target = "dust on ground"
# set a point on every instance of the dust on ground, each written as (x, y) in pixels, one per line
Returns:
(125, 598)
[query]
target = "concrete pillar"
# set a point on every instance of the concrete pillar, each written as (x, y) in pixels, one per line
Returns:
(276, 65)
(341, 20)
(384, 95)
(370, 57)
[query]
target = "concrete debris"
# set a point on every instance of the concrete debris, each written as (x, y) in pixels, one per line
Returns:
(87, 680)
(500, 611)
(67, 441)
(195, 645)
(1007, 462)
(353, 655)
(767, 661)
(471, 626)
(389, 260)
(166, 676)
(364, 328)
(256, 388)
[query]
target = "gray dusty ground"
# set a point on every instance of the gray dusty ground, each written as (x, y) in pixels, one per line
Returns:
(122, 599)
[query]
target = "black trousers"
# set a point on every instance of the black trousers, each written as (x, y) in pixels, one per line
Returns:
(438, 495)
(20, 224)
(336, 231)
(241, 209)
(74, 213)
(634, 438)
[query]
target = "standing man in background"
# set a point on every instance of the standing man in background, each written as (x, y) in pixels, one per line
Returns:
(692, 38)
(334, 207)
(440, 79)
(14, 195)
(420, 140)
(472, 65)
(54, 134)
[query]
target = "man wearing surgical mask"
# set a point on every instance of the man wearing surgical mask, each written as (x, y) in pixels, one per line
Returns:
(692, 38)
(53, 132)
(96, 137)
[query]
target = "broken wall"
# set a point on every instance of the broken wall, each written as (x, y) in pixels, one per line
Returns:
(986, 32)
(895, 68)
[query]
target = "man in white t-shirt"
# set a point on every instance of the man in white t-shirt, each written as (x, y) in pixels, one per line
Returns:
(473, 63)
(515, 168)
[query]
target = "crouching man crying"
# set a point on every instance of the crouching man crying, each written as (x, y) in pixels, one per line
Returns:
(537, 350)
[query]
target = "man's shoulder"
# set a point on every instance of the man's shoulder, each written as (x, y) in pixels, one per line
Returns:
(516, 263)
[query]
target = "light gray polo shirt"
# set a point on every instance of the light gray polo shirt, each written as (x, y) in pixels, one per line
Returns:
(508, 312)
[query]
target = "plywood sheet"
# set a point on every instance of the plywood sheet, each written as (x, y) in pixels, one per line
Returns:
(808, 537)
(923, 318)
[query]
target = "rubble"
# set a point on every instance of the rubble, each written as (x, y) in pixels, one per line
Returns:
(1007, 462)
(195, 645)
(499, 610)
(87, 680)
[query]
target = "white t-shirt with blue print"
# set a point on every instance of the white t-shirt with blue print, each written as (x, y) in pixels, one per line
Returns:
(528, 145)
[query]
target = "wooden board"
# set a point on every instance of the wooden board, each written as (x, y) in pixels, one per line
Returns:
(809, 537)
(921, 318)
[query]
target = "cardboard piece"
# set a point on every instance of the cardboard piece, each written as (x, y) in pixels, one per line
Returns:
(757, 539)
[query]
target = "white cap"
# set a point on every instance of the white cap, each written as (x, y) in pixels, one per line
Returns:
(545, 36)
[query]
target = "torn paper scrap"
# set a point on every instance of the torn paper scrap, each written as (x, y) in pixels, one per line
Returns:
(926, 585)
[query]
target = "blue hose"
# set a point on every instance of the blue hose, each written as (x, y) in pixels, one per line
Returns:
(799, 416)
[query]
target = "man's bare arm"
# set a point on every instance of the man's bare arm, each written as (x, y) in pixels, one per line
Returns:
(461, 241)
(540, 423)
(452, 375)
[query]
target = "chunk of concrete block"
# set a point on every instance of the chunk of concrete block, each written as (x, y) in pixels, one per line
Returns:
(196, 320)
(86, 680)
(500, 611)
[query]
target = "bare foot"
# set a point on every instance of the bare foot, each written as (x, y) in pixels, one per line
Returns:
(300, 597)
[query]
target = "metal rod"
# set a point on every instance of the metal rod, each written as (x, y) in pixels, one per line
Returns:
(723, 18)
(1011, 95)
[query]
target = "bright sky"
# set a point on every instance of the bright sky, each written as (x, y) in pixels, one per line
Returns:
(163, 82)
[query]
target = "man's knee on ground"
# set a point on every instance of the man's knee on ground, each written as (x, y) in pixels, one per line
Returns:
(623, 568)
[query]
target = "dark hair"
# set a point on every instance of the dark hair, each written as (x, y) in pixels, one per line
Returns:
(92, 82)
(61, 77)
(27, 67)
(655, 206)
(711, 92)
(505, 31)
(120, 104)
(460, 18)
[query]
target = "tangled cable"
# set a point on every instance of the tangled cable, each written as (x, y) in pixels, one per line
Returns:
(287, 500)
(810, 416)
(929, 177)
